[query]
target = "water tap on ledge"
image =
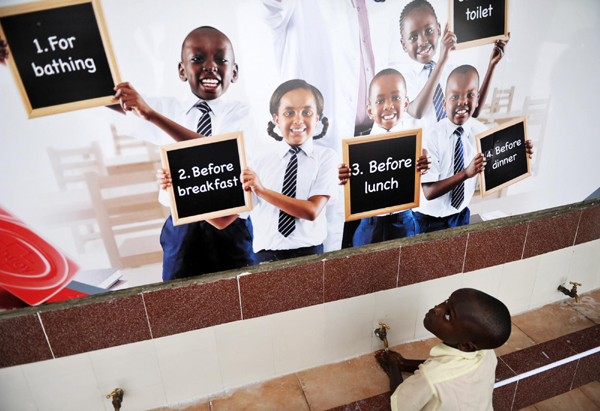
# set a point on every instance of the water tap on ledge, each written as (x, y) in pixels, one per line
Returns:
(382, 334)
(573, 292)
(117, 398)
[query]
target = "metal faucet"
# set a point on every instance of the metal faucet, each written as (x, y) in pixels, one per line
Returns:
(382, 334)
(573, 292)
(117, 398)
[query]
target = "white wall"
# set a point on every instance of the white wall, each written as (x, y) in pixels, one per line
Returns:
(184, 367)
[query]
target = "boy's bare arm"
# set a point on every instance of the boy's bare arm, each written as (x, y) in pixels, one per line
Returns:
(306, 209)
(439, 188)
(418, 106)
(497, 54)
(130, 100)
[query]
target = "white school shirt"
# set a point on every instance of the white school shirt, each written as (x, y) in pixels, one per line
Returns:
(317, 175)
(440, 142)
(319, 41)
(407, 123)
(227, 116)
(451, 380)
(416, 75)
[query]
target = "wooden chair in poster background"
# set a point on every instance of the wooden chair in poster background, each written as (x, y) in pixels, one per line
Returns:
(70, 166)
(129, 216)
(124, 142)
(502, 100)
(142, 156)
(537, 111)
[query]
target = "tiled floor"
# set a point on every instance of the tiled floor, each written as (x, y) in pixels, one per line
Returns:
(359, 383)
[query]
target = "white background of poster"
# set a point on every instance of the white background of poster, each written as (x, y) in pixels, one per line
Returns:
(552, 51)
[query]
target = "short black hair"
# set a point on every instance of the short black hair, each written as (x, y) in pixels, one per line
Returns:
(206, 28)
(492, 318)
(464, 69)
(412, 6)
(387, 72)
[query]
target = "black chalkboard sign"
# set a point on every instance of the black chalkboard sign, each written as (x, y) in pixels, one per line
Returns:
(206, 177)
(505, 154)
(60, 55)
(477, 22)
(384, 173)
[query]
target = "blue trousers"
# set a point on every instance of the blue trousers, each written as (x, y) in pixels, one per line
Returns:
(429, 224)
(199, 248)
(277, 255)
(383, 228)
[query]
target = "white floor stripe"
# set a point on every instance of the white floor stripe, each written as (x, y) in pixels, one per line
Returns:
(547, 367)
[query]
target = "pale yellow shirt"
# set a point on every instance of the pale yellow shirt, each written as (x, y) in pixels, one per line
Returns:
(450, 380)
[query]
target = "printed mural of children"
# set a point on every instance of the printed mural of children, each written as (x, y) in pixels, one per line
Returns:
(208, 66)
(448, 187)
(421, 37)
(387, 104)
(292, 184)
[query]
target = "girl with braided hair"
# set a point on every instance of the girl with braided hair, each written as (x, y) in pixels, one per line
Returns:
(296, 180)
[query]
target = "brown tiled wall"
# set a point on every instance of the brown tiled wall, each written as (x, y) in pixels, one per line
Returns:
(127, 316)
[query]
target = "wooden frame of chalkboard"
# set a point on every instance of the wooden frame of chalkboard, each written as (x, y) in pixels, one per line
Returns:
(487, 187)
(410, 139)
(108, 67)
(215, 171)
(481, 41)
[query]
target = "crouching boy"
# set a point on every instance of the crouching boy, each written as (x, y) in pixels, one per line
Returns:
(460, 373)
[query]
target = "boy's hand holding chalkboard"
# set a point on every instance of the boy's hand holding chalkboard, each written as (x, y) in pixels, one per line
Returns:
(529, 148)
(343, 173)
(498, 51)
(476, 166)
(3, 51)
(163, 178)
(131, 100)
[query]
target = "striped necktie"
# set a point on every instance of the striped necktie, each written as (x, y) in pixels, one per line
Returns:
(438, 96)
(287, 223)
(457, 195)
(204, 123)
